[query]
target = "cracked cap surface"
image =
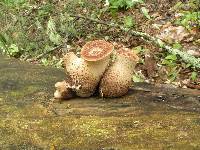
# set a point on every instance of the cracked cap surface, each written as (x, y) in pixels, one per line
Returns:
(96, 50)
(128, 54)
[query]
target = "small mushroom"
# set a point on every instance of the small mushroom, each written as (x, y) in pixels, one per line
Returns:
(62, 91)
(118, 77)
(86, 72)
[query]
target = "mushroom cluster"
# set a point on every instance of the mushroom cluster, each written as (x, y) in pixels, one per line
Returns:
(96, 70)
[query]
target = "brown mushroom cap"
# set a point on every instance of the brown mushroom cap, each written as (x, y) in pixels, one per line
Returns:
(128, 54)
(96, 50)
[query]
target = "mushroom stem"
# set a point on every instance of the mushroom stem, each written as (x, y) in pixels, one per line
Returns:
(118, 78)
(62, 91)
(84, 75)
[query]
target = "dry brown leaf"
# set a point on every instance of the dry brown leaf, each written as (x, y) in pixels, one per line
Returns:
(173, 34)
(150, 65)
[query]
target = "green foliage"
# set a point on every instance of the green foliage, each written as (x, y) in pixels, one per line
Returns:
(129, 22)
(52, 62)
(194, 76)
(137, 78)
(160, 43)
(189, 19)
(190, 4)
(2, 43)
(139, 50)
(45, 11)
(177, 46)
(30, 29)
(170, 62)
(13, 3)
(13, 50)
(52, 33)
(116, 5)
(173, 73)
(189, 14)
(145, 12)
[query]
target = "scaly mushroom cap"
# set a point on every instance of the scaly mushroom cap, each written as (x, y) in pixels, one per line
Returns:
(84, 75)
(118, 78)
(62, 91)
(127, 53)
(96, 50)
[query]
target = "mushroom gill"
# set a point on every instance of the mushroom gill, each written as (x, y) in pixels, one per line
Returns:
(118, 77)
(86, 72)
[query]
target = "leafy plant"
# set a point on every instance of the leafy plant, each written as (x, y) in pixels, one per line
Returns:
(129, 22)
(13, 50)
(137, 78)
(189, 13)
(52, 33)
(7, 48)
(13, 3)
(116, 5)
(53, 61)
(145, 12)
(189, 19)
(170, 62)
(139, 49)
(194, 76)
(173, 73)
(177, 46)
(2, 43)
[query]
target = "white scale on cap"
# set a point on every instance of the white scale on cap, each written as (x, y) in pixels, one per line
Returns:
(95, 51)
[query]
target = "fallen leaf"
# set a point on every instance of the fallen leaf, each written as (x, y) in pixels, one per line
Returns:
(173, 34)
(150, 65)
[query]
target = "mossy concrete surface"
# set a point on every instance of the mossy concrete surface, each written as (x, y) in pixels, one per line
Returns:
(151, 117)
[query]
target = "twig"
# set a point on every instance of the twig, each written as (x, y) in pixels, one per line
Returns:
(195, 62)
(193, 86)
(91, 19)
(47, 52)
